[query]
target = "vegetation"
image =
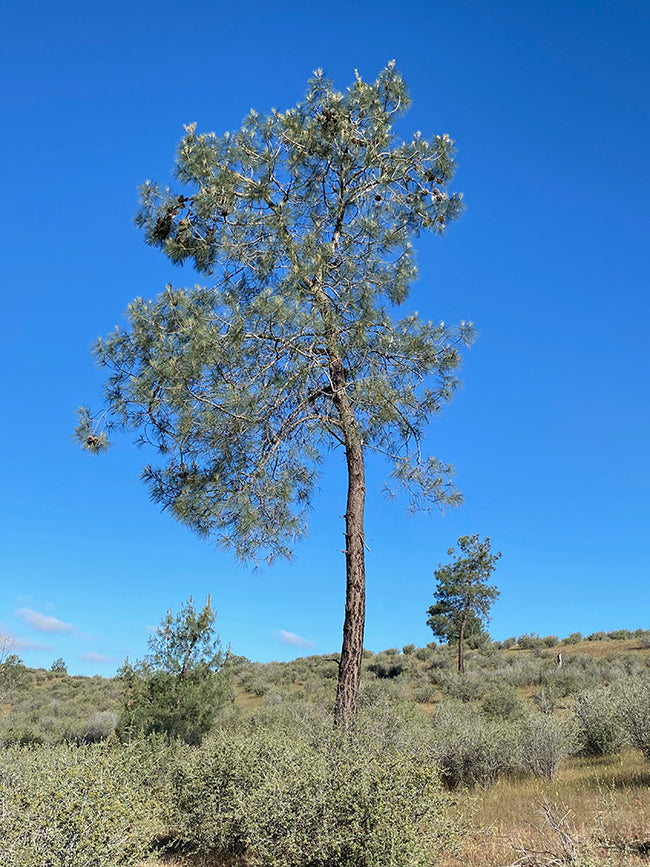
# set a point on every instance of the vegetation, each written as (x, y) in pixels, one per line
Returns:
(439, 768)
(463, 597)
(303, 221)
(183, 683)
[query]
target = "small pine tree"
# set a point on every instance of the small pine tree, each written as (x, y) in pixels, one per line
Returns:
(463, 598)
(184, 681)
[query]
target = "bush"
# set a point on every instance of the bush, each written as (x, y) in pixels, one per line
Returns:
(72, 805)
(386, 665)
(546, 742)
(529, 641)
(508, 642)
(635, 706)
(472, 750)
(503, 702)
(619, 634)
(550, 640)
(466, 687)
(574, 638)
(548, 697)
(285, 798)
(600, 728)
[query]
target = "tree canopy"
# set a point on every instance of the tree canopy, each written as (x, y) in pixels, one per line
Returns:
(463, 597)
(303, 221)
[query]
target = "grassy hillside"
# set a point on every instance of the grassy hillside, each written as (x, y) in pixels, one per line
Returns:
(515, 757)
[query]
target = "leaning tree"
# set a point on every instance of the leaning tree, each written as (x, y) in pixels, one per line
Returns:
(302, 222)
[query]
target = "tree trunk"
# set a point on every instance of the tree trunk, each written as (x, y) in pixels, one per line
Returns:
(347, 692)
(355, 594)
(461, 646)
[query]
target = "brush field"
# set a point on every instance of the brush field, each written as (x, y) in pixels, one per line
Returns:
(516, 762)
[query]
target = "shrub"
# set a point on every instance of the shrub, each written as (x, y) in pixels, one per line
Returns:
(635, 706)
(597, 636)
(386, 665)
(574, 638)
(546, 742)
(508, 642)
(472, 750)
(503, 702)
(550, 640)
(280, 798)
(72, 805)
(99, 727)
(600, 728)
(530, 640)
(548, 697)
(466, 687)
(619, 634)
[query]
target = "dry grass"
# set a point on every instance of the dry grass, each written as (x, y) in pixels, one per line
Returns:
(595, 649)
(608, 804)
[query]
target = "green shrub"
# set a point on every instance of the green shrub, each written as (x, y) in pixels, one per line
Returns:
(600, 728)
(619, 634)
(530, 640)
(467, 687)
(550, 640)
(635, 707)
(547, 740)
(386, 664)
(280, 797)
(548, 697)
(69, 806)
(472, 750)
(503, 702)
(508, 642)
(574, 638)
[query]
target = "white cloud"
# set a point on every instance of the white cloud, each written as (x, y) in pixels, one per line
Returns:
(26, 644)
(43, 622)
(93, 656)
(292, 639)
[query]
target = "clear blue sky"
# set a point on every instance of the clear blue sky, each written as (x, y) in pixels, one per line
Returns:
(548, 103)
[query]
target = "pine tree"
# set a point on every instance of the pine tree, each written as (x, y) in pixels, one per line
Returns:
(463, 598)
(303, 221)
(183, 682)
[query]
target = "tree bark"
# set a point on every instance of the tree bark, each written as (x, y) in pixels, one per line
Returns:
(347, 692)
(461, 645)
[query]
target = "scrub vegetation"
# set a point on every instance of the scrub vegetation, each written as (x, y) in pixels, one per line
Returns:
(517, 761)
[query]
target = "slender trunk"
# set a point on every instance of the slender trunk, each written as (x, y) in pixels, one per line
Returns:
(461, 646)
(355, 594)
(347, 692)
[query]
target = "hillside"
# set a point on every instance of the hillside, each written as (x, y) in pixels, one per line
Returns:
(519, 761)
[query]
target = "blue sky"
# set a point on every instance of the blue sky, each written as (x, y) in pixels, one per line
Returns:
(548, 103)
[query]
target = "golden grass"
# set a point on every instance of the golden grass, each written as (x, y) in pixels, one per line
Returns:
(608, 800)
(595, 649)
